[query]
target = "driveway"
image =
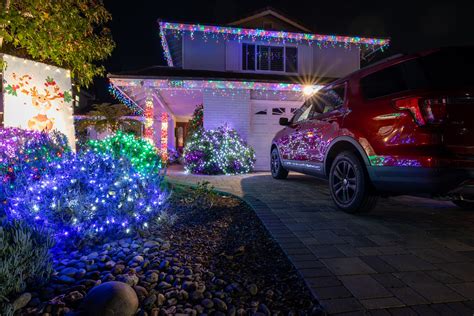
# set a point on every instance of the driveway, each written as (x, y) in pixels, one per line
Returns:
(410, 256)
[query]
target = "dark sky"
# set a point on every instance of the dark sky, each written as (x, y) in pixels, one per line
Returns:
(412, 25)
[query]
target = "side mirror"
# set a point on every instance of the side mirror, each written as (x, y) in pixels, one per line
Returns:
(284, 121)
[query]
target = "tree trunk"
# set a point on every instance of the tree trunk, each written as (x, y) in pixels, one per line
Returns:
(5, 8)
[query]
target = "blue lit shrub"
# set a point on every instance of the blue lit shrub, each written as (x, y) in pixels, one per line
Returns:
(220, 151)
(86, 196)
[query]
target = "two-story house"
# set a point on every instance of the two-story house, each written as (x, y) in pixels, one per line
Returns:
(246, 74)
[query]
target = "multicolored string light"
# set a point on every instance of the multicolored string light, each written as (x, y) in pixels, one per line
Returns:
(214, 84)
(149, 132)
(124, 99)
(164, 136)
(235, 33)
(219, 151)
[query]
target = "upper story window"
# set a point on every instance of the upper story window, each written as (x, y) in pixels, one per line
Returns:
(269, 58)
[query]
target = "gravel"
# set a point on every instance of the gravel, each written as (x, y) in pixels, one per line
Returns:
(218, 261)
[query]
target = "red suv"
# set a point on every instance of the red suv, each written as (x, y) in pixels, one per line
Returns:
(402, 126)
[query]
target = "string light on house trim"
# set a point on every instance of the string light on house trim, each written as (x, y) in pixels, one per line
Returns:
(125, 99)
(235, 33)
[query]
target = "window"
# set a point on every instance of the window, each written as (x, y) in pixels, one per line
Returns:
(384, 82)
(278, 111)
(445, 68)
(303, 112)
(327, 101)
(269, 58)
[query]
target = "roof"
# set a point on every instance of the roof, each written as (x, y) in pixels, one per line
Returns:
(275, 13)
(164, 72)
(238, 33)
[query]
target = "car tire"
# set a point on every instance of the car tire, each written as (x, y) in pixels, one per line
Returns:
(467, 205)
(278, 172)
(350, 185)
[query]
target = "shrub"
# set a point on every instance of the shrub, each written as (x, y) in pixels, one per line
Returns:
(220, 151)
(143, 156)
(24, 260)
(25, 153)
(173, 156)
(197, 121)
(86, 196)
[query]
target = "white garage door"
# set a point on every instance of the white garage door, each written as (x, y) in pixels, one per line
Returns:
(263, 127)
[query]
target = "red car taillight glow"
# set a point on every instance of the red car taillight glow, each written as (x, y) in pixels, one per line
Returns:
(424, 111)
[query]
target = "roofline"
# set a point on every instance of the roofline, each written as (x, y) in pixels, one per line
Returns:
(135, 77)
(296, 36)
(275, 13)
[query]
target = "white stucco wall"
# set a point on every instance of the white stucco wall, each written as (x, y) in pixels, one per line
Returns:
(231, 107)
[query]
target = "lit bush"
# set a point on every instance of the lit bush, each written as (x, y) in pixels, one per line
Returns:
(86, 196)
(143, 156)
(25, 153)
(220, 151)
(24, 260)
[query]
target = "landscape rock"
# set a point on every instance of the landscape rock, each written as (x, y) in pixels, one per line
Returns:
(111, 298)
(21, 301)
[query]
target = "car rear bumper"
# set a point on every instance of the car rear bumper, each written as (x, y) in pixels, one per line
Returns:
(411, 180)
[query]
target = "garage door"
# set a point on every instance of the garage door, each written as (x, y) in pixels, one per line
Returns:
(263, 127)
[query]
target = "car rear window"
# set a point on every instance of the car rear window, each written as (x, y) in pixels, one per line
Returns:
(446, 68)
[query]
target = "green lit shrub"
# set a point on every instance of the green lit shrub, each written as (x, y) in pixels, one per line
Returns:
(24, 260)
(143, 156)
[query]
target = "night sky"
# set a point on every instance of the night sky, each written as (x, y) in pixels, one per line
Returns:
(412, 25)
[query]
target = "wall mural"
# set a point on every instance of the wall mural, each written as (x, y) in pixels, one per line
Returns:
(37, 96)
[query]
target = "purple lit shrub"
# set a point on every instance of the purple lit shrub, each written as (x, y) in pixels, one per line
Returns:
(24, 154)
(220, 151)
(83, 197)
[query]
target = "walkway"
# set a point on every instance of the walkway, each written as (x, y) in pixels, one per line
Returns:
(410, 256)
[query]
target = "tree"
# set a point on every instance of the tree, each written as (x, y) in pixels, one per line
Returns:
(65, 33)
(109, 117)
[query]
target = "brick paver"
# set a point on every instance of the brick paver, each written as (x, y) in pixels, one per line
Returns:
(409, 256)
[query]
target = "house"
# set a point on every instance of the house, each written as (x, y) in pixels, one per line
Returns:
(247, 74)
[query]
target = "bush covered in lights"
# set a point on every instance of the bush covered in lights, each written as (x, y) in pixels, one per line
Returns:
(220, 151)
(85, 196)
(25, 154)
(143, 156)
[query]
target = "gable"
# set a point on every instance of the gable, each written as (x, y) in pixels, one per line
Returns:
(269, 19)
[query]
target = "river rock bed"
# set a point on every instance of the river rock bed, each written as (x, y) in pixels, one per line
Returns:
(217, 261)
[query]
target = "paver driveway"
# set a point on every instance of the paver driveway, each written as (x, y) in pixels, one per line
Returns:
(409, 256)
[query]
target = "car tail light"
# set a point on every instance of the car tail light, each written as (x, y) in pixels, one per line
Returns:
(424, 111)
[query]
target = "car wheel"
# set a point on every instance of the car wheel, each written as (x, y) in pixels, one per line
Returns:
(278, 172)
(350, 185)
(468, 205)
